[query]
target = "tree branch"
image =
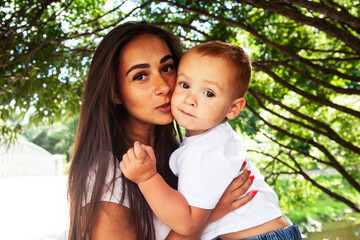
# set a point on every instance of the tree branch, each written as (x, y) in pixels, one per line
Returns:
(305, 75)
(298, 114)
(56, 14)
(26, 56)
(288, 11)
(331, 158)
(43, 43)
(103, 15)
(278, 47)
(186, 26)
(288, 147)
(25, 72)
(312, 181)
(305, 94)
(320, 82)
(341, 16)
(322, 188)
(322, 50)
(334, 59)
(330, 134)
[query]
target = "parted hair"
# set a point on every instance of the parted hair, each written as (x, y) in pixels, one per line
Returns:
(102, 139)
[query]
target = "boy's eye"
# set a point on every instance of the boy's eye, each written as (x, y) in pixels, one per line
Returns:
(184, 85)
(209, 94)
(140, 77)
(168, 68)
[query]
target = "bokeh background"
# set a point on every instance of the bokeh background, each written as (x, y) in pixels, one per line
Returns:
(301, 124)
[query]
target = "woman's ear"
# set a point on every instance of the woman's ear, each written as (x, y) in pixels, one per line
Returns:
(117, 100)
(236, 107)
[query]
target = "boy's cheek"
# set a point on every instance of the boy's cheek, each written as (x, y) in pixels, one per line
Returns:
(175, 96)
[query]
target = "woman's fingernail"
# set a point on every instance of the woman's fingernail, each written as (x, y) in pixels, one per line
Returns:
(252, 178)
(254, 193)
(249, 172)
(244, 164)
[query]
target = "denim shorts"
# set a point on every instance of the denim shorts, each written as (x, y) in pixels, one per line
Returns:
(288, 233)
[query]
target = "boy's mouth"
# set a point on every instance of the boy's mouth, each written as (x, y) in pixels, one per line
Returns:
(186, 113)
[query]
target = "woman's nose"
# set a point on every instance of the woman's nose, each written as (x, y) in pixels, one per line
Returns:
(162, 86)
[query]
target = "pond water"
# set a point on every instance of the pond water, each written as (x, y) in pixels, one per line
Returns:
(342, 230)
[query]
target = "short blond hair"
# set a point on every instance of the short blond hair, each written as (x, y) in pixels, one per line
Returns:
(231, 52)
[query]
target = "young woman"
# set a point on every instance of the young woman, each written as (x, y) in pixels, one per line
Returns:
(126, 99)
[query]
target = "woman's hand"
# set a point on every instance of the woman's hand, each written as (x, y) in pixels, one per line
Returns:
(230, 200)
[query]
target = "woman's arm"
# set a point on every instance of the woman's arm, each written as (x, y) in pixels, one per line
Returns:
(139, 165)
(112, 221)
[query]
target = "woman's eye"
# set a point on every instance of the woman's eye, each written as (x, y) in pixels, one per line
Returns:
(140, 77)
(168, 68)
(209, 94)
(184, 85)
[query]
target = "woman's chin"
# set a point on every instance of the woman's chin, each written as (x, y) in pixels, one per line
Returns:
(165, 121)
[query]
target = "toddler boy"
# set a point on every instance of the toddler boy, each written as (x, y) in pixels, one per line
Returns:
(211, 82)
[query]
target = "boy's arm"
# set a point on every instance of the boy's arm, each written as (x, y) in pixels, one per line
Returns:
(139, 165)
(171, 207)
(229, 201)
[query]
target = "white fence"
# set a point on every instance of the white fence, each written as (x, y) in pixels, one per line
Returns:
(27, 159)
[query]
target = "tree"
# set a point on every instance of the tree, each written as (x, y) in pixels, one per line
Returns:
(57, 138)
(303, 102)
(303, 108)
(45, 50)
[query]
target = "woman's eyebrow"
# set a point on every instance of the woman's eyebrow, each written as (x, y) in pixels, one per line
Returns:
(164, 59)
(144, 65)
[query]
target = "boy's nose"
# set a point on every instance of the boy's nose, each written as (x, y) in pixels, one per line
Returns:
(190, 100)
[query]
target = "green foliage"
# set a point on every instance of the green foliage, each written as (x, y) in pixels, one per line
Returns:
(45, 50)
(302, 113)
(303, 105)
(8, 132)
(57, 138)
(301, 201)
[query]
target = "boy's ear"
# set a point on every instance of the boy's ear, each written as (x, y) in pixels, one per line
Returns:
(236, 107)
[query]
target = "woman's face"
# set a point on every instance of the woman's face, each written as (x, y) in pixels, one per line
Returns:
(146, 80)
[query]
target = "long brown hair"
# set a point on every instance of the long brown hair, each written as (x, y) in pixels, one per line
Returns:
(101, 130)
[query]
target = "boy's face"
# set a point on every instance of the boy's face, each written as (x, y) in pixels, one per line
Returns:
(204, 92)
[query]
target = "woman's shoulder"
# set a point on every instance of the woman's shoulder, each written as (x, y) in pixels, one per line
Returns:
(112, 188)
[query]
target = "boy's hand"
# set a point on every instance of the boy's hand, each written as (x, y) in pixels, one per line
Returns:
(139, 163)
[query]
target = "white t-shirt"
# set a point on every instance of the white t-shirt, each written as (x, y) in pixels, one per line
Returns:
(161, 230)
(206, 164)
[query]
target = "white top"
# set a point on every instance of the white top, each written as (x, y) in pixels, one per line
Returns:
(161, 230)
(206, 164)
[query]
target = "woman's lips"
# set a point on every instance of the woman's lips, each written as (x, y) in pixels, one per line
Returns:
(165, 108)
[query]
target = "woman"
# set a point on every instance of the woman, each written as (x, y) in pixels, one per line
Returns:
(126, 99)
